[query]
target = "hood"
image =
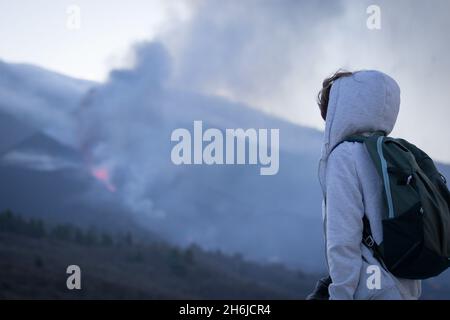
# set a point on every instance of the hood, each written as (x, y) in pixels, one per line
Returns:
(364, 102)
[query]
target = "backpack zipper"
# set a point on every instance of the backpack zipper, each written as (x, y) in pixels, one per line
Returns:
(405, 254)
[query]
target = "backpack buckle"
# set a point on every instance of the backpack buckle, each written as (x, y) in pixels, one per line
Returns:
(369, 241)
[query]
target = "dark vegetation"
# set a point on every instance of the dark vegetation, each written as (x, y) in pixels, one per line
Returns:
(34, 257)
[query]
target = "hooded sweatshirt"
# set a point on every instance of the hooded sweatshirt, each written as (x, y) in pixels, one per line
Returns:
(362, 103)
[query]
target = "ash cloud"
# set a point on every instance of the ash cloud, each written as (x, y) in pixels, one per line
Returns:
(273, 55)
(118, 123)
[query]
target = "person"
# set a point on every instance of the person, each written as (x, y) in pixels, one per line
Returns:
(362, 102)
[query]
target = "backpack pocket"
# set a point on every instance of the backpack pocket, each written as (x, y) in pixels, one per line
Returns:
(403, 240)
(405, 253)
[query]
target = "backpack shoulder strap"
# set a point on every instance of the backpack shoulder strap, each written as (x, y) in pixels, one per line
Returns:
(356, 138)
(370, 242)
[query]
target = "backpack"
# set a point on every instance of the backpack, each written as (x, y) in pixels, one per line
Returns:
(416, 222)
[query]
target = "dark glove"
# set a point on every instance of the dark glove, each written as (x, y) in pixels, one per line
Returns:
(321, 290)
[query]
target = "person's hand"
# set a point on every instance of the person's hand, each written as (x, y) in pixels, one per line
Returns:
(320, 292)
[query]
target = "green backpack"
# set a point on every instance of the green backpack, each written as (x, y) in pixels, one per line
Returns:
(416, 224)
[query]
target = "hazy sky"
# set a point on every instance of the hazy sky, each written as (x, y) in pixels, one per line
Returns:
(37, 32)
(270, 54)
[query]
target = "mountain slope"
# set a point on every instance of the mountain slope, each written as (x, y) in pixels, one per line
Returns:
(41, 98)
(33, 267)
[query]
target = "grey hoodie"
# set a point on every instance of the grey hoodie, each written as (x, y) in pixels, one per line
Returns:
(365, 102)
